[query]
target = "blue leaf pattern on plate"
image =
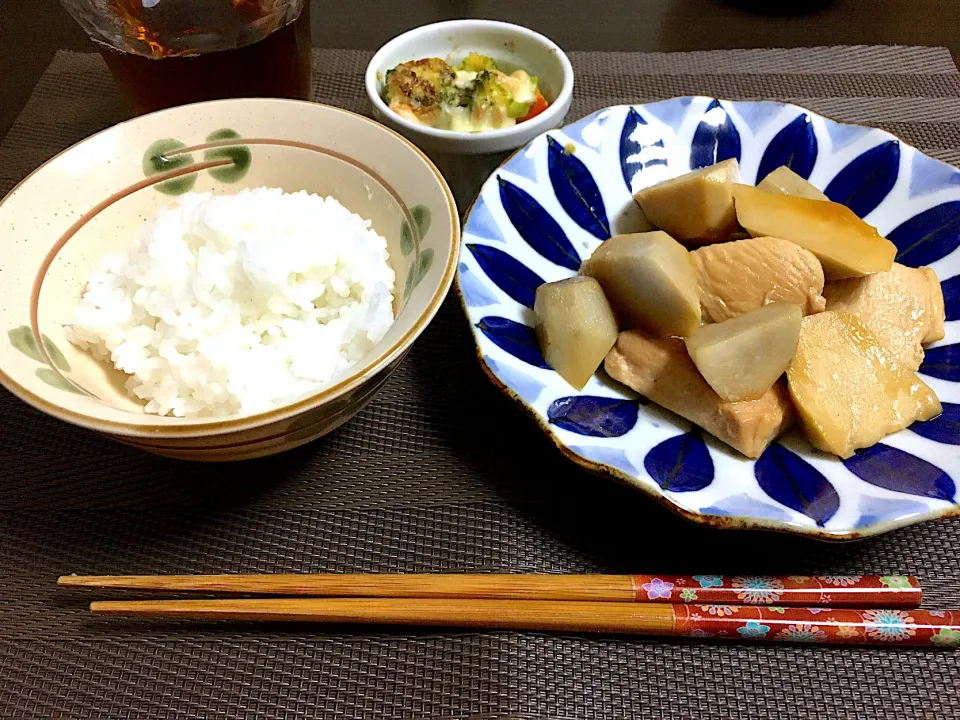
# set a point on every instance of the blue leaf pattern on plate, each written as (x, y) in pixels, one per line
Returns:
(714, 142)
(795, 146)
(481, 224)
(756, 115)
(614, 457)
(475, 293)
(951, 297)
(874, 510)
(510, 275)
(515, 338)
(521, 383)
(680, 464)
(794, 482)
(942, 362)
(929, 236)
(670, 112)
(943, 429)
(537, 227)
(842, 135)
(742, 505)
(630, 148)
(594, 415)
(522, 164)
(868, 179)
(928, 175)
(576, 190)
(893, 469)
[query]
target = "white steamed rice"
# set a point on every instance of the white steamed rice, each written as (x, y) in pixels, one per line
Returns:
(238, 303)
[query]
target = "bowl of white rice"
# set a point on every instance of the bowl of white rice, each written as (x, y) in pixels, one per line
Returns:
(224, 280)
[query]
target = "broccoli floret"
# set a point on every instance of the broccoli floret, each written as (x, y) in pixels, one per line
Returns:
(475, 62)
(457, 94)
(489, 90)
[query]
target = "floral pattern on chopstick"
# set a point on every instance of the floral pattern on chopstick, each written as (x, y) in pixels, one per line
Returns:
(795, 590)
(936, 628)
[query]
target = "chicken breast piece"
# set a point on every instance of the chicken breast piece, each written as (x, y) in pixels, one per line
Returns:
(660, 369)
(737, 277)
(848, 389)
(903, 307)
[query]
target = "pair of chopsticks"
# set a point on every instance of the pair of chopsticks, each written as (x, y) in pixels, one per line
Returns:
(843, 609)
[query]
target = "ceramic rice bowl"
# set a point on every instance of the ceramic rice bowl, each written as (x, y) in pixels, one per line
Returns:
(91, 199)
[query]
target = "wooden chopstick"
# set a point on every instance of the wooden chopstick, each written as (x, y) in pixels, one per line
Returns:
(795, 591)
(819, 625)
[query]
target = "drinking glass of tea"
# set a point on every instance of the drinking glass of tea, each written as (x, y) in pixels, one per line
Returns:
(172, 52)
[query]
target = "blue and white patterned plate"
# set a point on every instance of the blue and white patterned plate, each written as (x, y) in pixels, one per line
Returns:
(552, 203)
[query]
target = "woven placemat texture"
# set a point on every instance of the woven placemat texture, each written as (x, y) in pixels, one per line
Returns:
(439, 473)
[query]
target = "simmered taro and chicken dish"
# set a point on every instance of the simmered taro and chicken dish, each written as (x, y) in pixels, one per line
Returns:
(751, 310)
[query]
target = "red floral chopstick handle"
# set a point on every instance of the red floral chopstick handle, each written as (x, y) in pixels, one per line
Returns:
(935, 628)
(862, 591)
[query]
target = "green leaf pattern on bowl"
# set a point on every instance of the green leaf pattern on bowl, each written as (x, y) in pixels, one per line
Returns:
(22, 339)
(58, 381)
(158, 159)
(410, 241)
(240, 155)
(424, 265)
(163, 156)
(406, 238)
(422, 217)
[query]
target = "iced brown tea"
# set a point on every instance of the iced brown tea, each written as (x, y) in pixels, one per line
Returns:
(171, 52)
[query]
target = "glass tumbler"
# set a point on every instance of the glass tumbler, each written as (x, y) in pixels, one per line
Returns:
(172, 52)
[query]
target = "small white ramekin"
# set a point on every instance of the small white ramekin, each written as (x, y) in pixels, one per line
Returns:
(514, 46)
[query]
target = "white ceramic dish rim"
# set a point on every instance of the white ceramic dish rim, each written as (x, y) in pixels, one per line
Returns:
(544, 121)
(201, 427)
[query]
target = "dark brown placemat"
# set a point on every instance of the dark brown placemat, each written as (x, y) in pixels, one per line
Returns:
(439, 473)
